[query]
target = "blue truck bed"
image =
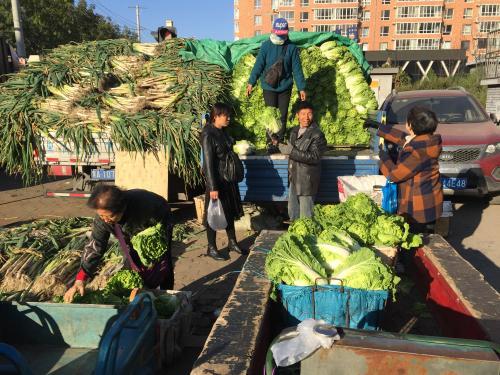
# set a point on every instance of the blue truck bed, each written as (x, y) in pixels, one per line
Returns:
(266, 177)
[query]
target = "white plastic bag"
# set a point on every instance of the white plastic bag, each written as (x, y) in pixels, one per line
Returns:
(308, 340)
(215, 215)
(350, 185)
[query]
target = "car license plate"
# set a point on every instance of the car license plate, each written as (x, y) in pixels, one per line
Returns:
(454, 183)
(102, 174)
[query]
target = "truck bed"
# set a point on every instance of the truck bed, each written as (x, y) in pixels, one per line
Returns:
(59, 360)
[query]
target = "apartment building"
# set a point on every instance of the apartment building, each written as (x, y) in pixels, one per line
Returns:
(380, 25)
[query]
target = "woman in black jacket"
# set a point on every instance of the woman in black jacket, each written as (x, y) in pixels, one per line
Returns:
(216, 144)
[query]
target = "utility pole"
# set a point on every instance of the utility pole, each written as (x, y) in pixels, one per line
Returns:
(18, 30)
(138, 21)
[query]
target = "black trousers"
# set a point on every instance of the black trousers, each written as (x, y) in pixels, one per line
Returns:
(230, 231)
(279, 100)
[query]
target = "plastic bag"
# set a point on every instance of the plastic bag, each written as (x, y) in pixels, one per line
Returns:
(390, 197)
(215, 215)
(311, 336)
(351, 185)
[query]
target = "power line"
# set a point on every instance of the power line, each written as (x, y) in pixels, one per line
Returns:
(111, 13)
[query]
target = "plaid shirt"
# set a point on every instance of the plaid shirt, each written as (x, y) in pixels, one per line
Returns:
(420, 193)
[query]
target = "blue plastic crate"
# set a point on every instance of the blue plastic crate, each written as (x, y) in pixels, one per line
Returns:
(337, 305)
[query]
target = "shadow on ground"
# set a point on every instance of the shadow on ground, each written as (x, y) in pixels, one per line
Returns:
(465, 221)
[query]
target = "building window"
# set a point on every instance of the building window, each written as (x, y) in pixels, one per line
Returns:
(448, 1)
(486, 27)
(466, 29)
(446, 45)
(467, 13)
(257, 4)
(339, 29)
(257, 20)
(274, 4)
(382, 46)
(448, 14)
(336, 14)
(481, 43)
(364, 46)
(366, 15)
(324, 14)
(365, 2)
(365, 31)
(465, 44)
(418, 28)
(416, 44)
(322, 28)
(446, 29)
(291, 28)
(491, 10)
(347, 13)
(334, 1)
(304, 16)
(384, 31)
(236, 27)
(386, 1)
(289, 15)
(427, 11)
(236, 2)
(386, 14)
(258, 32)
(304, 29)
(468, 1)
(236, 13)
(286, 3)
(304, 3)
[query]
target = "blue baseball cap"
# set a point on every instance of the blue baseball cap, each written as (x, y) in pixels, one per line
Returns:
(280, 26)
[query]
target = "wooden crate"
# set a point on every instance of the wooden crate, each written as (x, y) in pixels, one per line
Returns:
(147, 171)
(199, 204)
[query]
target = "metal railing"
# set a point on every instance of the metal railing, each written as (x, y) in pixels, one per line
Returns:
(492, 55)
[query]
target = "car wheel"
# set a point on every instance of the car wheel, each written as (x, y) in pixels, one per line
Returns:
(495, 199)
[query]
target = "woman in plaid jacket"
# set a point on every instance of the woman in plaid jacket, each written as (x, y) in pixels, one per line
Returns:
(416, 171)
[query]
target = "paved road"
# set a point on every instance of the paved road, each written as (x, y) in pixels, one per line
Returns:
(475, 234)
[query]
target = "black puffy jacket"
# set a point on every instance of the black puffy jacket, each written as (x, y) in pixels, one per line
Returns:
(304, 165)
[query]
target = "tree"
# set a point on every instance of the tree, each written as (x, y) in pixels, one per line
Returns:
(49, 23)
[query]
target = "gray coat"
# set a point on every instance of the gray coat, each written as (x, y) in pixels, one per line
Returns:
(304, 165)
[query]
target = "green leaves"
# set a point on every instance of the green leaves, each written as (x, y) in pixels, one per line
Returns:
(363, 270)
(305, 226)
(122, 282)
(150, 244)
(292, 262)
(364, 221)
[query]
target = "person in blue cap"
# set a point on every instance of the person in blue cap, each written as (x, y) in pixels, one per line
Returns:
(278, 96)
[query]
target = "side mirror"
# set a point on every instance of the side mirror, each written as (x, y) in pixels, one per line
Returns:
(494, 118)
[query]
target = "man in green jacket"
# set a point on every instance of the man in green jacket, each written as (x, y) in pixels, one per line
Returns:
(271, 50)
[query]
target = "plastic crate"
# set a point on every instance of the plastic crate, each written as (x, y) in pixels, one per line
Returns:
(337, 305)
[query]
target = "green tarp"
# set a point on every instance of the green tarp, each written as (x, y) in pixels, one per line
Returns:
(227, 54)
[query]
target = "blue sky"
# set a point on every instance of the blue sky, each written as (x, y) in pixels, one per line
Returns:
(193, 18)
